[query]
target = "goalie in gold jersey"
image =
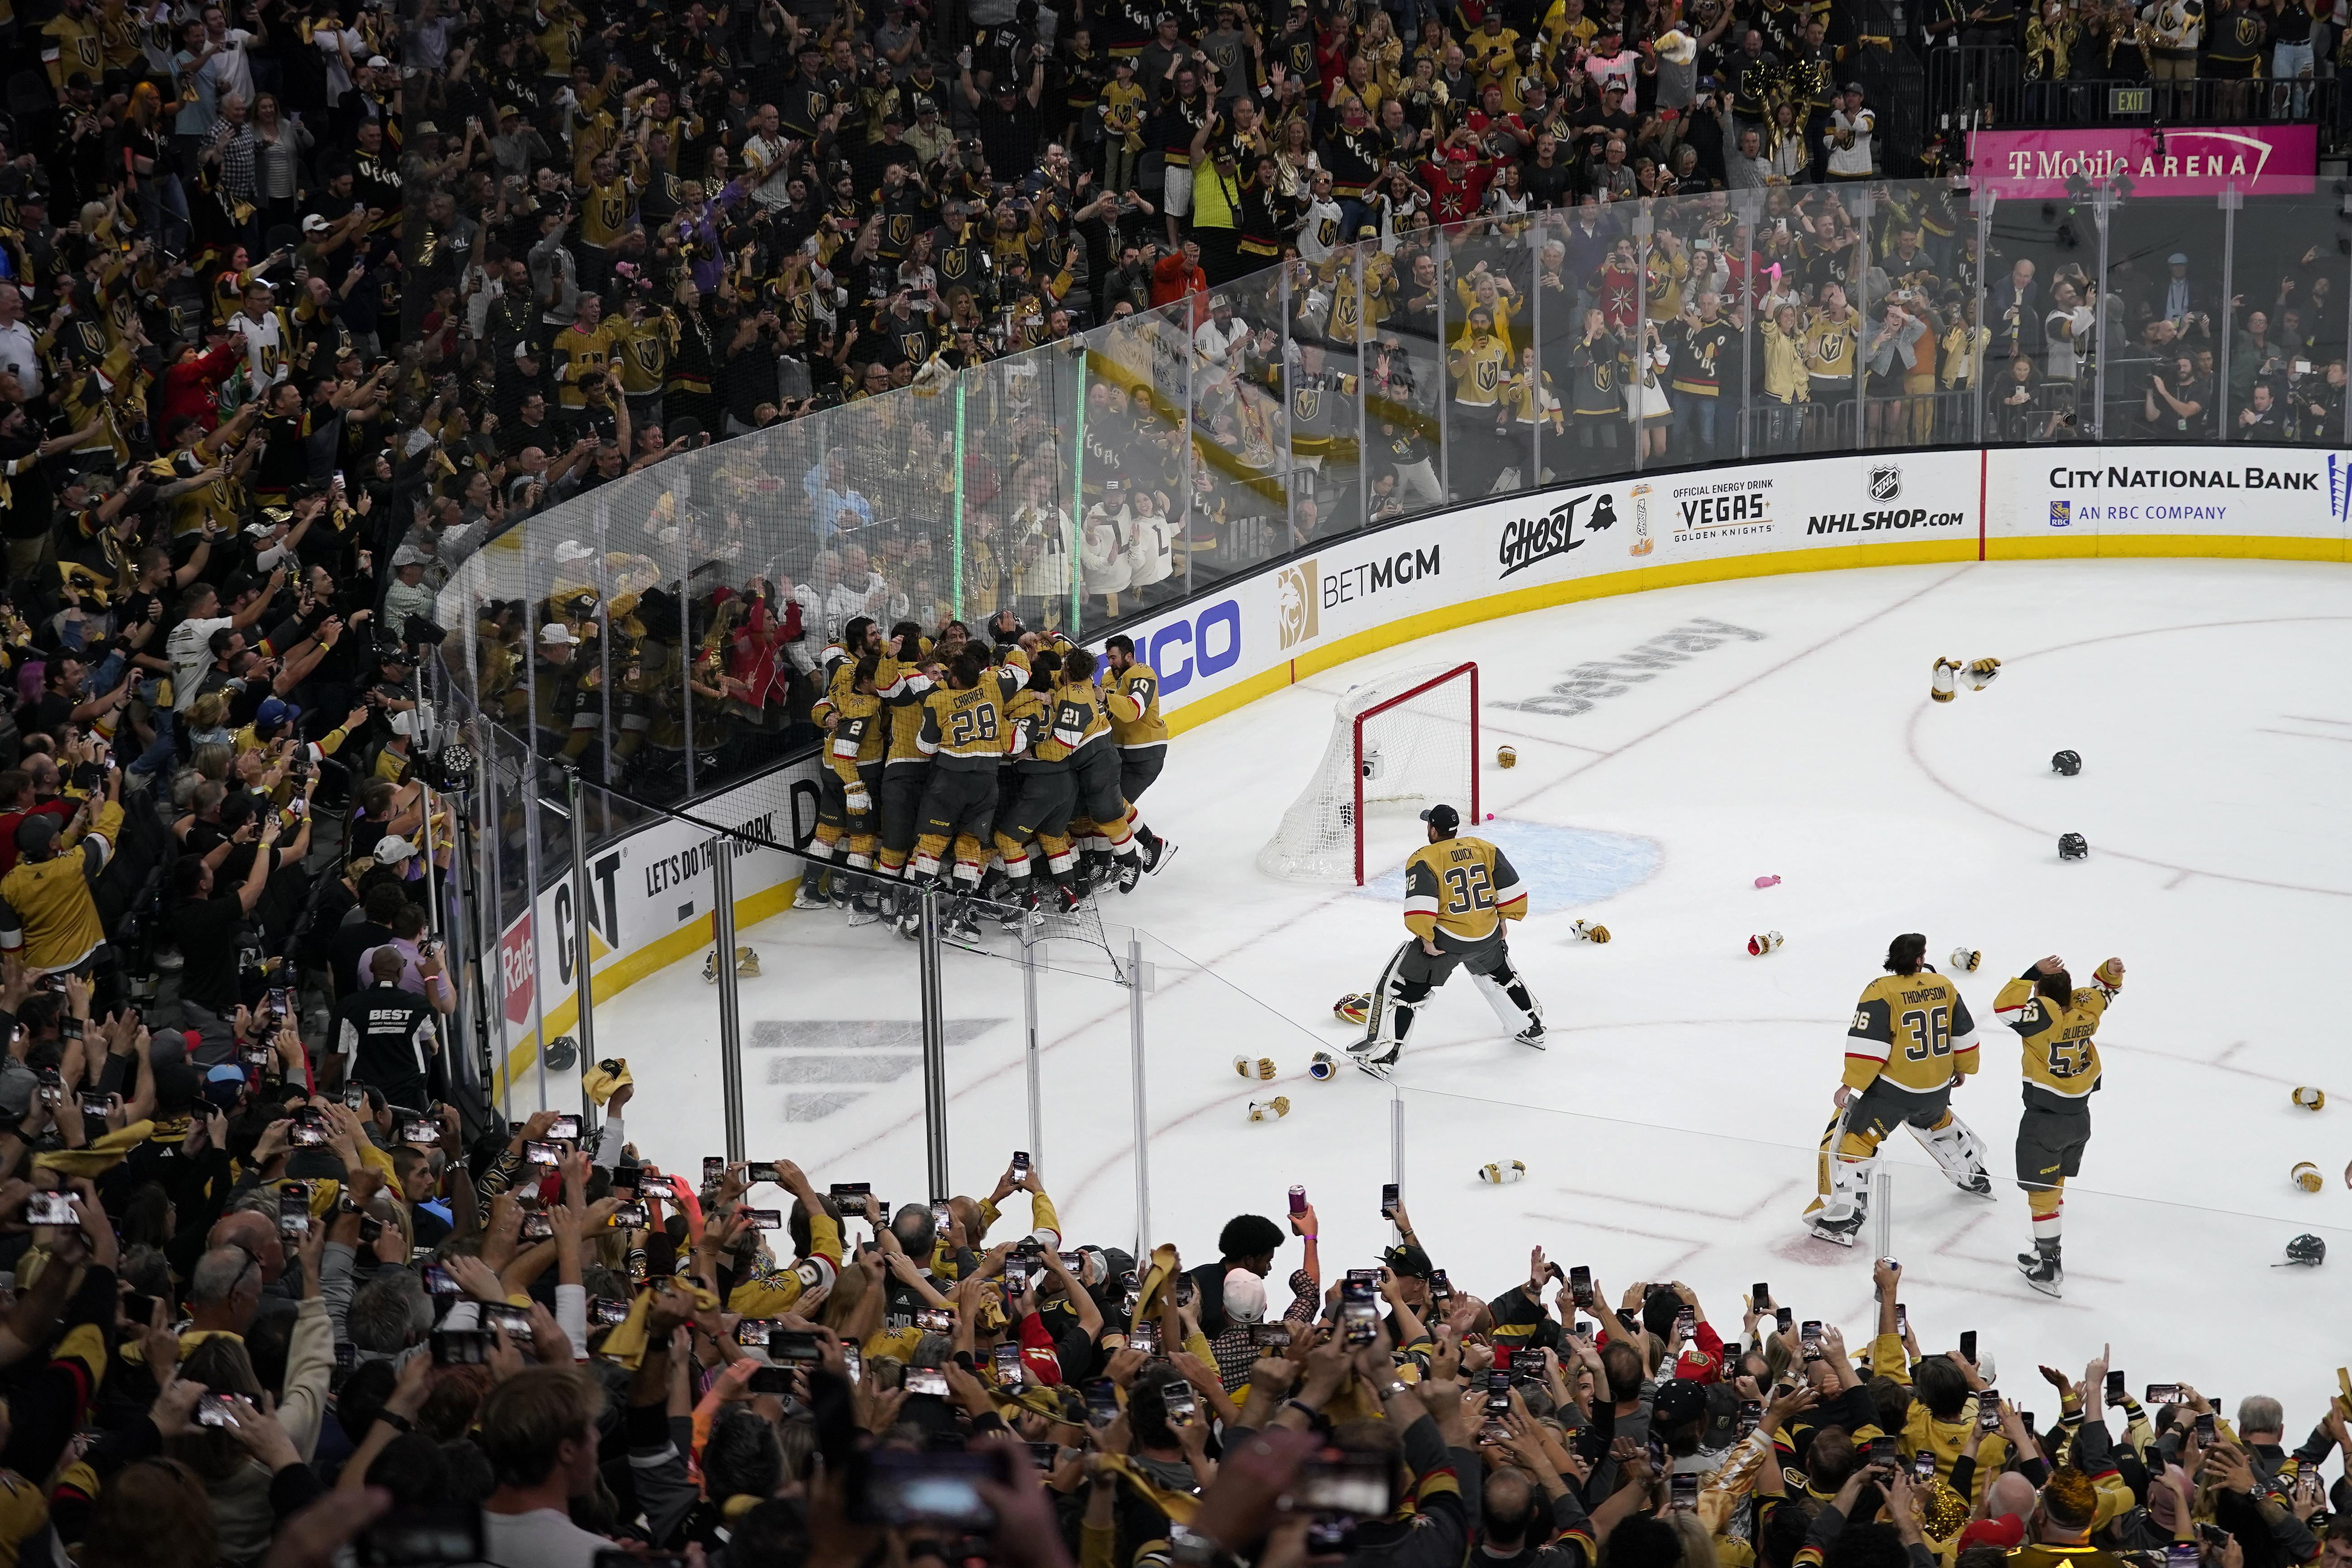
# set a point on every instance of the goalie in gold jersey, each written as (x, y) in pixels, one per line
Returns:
(1911, 1042)
(2056, 1023)
(1458, 892)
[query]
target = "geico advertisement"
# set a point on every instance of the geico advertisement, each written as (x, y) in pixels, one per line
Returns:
(2277, 491)
(1354, 584)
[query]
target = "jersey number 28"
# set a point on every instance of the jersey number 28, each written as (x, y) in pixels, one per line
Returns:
(970, 724)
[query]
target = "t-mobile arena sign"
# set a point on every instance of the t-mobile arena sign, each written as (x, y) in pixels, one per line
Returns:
(2259, 160)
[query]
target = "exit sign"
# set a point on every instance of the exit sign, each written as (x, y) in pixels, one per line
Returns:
(2129, 100)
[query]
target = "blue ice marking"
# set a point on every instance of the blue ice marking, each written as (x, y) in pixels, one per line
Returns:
(1560, 867)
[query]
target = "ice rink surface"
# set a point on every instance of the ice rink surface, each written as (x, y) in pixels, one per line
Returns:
(1670, 1130)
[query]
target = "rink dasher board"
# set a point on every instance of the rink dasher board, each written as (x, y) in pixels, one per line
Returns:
(1368, 591)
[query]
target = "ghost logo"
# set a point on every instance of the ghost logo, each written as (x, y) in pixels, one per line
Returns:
(1885, 483)
(1529, 540)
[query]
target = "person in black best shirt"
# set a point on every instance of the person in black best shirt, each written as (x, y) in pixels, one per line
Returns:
(208, 916)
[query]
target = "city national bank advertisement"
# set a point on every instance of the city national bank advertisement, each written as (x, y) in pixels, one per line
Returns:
(2199, 161)
(2208, 499)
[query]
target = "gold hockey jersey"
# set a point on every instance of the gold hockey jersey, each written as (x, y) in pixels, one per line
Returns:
(2061, 1060)
(1914, 1030)
(1461, 887)
(1133, 698)
(969, 728)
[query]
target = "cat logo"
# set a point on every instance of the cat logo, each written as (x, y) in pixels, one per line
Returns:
(1306, 401)
(1489, 374)
(902, 228)
(1296, 603)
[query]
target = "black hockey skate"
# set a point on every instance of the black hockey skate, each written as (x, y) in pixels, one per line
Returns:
(2043, 1271)
(1840, 1231)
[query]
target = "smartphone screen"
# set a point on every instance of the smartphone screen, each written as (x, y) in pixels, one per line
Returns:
(2163, 1393)
(1388, 1199)
(2116, 1388)
(1989, 1410)
(1760, 1297)
(1968, 1346)
(1579, 1284)
(1922, 1465)
(1784, 1316)
(1809, 1336)
(1752, 1416)
(1682, 1488)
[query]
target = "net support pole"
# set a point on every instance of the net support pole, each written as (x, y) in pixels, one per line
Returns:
(2099, 321)
(1029, 940)
(955, 590)
(731, 1015)
(1396, 1140)
(1136, 985)
(1364, 396)
(935, 1043)
(1287, 452)
(1864, 208)
(2230, 200)
(1078, 511)
(575, 794)
(1882, 1212)
(1645, 228)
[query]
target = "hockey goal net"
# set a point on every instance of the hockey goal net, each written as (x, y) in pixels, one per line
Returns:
(1409, 736)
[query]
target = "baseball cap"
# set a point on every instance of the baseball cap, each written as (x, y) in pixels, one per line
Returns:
(274, 711)
(403, 723)
(1444, 818)
(407, 555)
(1244, 1295)
(35, 834)
(223, 1085)
(1679, 1400)
(315, 224)
(555, 634)
(389, 851)
(1407, 1261)
(377, 63)
(2176, 260)
(2007, 1531)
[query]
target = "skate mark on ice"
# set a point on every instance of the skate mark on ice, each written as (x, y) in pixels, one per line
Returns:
(2313, 719)
(2302, 735)
(1750, 1211)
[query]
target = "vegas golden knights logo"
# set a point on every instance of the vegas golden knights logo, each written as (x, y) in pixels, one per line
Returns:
(902, 228)
(1605, 374)
(1489, 374)
(648, 352)
(912, 345)
(1295, 607)
(1328, 232)
(955, 261)
(1306, 401)
(1343, 316)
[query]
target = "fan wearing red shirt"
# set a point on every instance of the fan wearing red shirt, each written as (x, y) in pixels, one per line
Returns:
(1457, 178)
(1177, 276)
(191, 381)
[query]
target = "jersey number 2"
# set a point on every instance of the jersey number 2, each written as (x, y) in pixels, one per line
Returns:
(1468, 889)
(1931, 1034)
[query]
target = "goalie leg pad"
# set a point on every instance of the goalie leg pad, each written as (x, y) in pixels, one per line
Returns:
(1395, 1000)
(1509, 995)
(1957, 1151)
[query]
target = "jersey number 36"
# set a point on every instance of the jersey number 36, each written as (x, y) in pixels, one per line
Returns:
(1931, 1033)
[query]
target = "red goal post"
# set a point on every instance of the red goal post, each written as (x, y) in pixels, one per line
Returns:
(1469, 670)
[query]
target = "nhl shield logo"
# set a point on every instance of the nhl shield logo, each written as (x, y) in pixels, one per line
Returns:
(1885, 483)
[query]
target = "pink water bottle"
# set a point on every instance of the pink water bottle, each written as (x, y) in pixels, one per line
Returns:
(1768, 881)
